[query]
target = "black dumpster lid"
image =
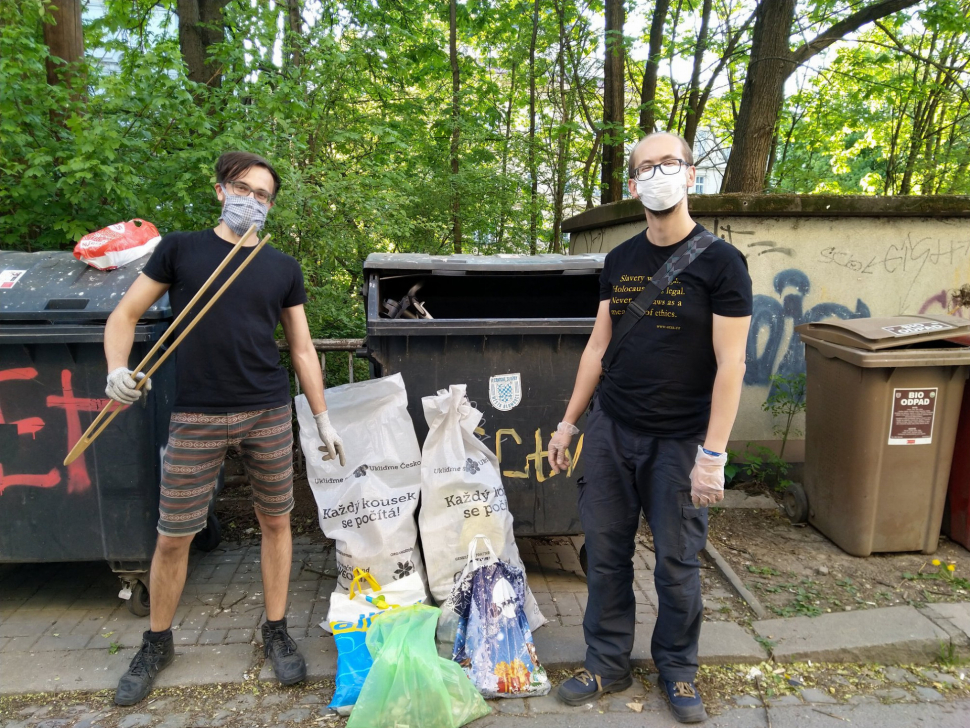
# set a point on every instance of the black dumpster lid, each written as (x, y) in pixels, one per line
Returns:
(875, 334)
(54, 286)
(457, 264)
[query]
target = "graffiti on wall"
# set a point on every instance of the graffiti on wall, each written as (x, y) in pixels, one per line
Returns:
(770, 316)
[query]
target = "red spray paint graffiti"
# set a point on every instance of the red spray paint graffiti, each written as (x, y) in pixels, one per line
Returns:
(78, 478)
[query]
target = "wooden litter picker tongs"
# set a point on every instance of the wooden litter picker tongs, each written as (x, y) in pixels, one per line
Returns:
(113, 408)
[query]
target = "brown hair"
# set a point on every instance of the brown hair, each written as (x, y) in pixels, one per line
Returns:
(688, 153)
(232, 165)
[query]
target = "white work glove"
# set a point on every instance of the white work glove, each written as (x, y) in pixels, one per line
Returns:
(121, 386)
(707, 478)
(558, 459)
(333, 446)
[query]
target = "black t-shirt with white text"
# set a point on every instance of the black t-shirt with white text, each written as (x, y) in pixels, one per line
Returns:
(229, 362)
(661, 380)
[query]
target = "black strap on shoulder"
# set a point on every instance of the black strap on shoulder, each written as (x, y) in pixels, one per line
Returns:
(638, 307)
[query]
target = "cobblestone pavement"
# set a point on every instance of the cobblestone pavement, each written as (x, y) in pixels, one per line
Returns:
(56, 607)
(260, 704)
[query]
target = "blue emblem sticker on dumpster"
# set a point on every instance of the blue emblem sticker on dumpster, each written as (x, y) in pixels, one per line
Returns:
(505, 391)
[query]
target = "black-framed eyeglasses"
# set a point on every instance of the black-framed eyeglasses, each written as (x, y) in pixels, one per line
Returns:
(244, 190)
(668, 167)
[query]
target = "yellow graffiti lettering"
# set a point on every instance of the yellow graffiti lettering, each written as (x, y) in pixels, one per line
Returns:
(538, 456)
(574, 460)
(499, 434)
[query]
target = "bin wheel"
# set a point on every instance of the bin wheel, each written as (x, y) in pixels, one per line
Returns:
(796, 503)
(209, 537)
(583, 561)
(139, 603)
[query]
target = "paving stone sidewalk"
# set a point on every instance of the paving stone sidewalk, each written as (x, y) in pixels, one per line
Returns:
(62, 626)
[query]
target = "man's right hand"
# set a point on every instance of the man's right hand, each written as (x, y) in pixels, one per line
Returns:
(122, 383)
(558, 459)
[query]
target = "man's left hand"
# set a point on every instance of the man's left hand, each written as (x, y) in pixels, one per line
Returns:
(333, 446)
(707, 478)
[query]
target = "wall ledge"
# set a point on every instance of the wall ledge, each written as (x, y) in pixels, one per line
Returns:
(740, 205)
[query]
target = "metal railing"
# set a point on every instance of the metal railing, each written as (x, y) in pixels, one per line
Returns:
(324, 347)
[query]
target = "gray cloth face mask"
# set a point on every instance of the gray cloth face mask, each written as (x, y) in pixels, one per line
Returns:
(240, 212)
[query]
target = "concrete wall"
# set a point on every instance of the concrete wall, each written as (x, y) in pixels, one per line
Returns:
(814, 257)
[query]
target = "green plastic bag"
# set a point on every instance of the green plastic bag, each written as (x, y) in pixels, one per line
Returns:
(409, 686)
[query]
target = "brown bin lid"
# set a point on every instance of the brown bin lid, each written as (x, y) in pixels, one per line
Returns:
(874, 334)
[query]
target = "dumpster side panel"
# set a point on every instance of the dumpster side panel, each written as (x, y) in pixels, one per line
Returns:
(105, 504)
(541, 503)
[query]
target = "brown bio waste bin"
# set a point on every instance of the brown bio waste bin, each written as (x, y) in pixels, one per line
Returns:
(883, 400)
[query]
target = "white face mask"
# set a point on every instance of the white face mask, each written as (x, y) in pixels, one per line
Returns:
(662, 191)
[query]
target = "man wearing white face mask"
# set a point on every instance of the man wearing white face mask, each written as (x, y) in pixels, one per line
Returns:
(669, 386)
(231, 391)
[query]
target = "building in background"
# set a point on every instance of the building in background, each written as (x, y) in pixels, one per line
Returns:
(710, 158)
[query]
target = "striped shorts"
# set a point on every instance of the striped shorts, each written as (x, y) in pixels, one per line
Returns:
(197, 447)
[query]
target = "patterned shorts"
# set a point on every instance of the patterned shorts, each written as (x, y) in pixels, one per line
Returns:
(197, 446)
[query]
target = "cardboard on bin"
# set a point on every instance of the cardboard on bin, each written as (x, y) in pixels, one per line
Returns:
(874, 334)
(867, 343)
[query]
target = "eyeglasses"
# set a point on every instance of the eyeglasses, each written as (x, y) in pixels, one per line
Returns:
(244, 190)
(668, 167)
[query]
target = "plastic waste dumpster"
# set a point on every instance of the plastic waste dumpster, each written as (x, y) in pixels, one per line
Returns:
(513, 329)
(104, 505)
(883, 399)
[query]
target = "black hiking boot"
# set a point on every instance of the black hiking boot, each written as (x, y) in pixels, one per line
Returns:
(280, 649)
(152, 658)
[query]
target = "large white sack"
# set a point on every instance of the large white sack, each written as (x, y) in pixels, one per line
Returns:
(367, 506)
(462, 495)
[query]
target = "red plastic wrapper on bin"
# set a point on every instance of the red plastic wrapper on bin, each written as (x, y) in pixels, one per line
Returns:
(118, 244)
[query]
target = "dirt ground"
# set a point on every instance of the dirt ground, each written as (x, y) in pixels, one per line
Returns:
(795, 570)
(234, 506)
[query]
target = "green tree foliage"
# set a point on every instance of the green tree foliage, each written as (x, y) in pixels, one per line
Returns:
(353, 103)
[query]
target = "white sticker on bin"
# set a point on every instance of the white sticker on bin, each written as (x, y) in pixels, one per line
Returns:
(9, 277)
(505, 391)
(913, 412)
(919, 327)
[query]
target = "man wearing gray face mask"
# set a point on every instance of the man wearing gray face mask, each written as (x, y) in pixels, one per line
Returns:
(231, 391)
(656, 435)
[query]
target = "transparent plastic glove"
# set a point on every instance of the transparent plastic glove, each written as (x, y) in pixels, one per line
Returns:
(121, 386)
(558, 459)
(333, 446)
(707, 478)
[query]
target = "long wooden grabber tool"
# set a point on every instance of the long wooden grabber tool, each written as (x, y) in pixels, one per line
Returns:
(113, 408)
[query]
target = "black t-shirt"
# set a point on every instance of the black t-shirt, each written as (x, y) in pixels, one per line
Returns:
(662, 378)
(229, 362)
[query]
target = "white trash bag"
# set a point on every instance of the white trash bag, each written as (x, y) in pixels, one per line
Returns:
(368, 505)
(462, 496)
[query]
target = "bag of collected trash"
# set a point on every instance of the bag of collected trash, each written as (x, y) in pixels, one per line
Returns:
(494, 643)
(118, 244)
(462, 496)
(367, 506)
(409, 684)
(349, 619)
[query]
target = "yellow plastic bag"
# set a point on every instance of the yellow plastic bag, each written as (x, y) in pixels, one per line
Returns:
(408, 684)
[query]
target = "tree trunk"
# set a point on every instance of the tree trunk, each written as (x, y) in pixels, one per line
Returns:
(455, 126)
(201, 25)
(505, 151)
(772, 62)
(761, 98)
(533, 171)
(648, 93)
(294, 23)
(65, 40)
(611, 180)
(693, 109)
